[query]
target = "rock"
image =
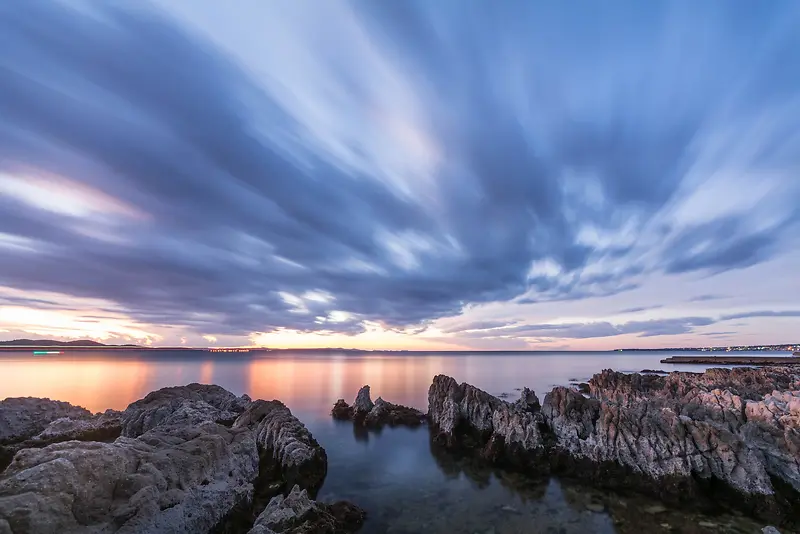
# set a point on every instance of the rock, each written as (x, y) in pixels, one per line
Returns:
(386, 413)
(342, 411)
(363, 404)
(282, 438)
(770, 530)
(33, 422)
(191, 457)
(653, 371)
(380, 412)
(528, 401)
(24, 417)
(595, 507)
(298, 514)
(707, 524)
(191, 404)
(671, 436)
(133, 484)
(502, 432)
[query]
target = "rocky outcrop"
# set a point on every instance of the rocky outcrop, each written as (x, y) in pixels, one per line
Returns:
(173, 478)
(506, 433)
(286, 446)
(375, 415)
(189, 457)
(668, 433)
(32, 422)
(296, 513)
(191, 404)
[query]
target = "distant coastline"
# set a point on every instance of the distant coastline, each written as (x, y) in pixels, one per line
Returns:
(86, 344)
(786, 347)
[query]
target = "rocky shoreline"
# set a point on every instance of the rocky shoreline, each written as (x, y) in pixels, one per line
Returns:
(723, 439)
(197, 458)
(192, 458)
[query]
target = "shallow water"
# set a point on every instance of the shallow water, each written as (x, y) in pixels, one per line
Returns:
(405, 484)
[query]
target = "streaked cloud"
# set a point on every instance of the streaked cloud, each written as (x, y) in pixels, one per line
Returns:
(392, 169)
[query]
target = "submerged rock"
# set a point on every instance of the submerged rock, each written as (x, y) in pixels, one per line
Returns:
(664, 433)
(375, 415)
(189, 457)
(297, 514)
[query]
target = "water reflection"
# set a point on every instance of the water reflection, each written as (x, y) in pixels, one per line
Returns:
(307, 383)
(405, 483)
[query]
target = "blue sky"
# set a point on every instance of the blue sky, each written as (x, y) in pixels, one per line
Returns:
(401, 174)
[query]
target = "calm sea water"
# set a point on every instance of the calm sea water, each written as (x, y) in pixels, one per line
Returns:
(405, 484)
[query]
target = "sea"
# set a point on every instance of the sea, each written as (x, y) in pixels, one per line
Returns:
(404, 482)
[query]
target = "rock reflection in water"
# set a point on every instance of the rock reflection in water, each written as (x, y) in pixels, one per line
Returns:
(408, 484)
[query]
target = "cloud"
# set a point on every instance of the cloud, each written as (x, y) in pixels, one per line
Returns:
(708, 297)
(761, 313)
(640, 309)
(200, 193)
(477, 325)
(598, 329)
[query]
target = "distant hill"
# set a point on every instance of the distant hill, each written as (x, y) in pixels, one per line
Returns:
(52, 343)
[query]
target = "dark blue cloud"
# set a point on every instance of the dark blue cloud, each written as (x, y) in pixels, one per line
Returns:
(575, 152)
(638, 309)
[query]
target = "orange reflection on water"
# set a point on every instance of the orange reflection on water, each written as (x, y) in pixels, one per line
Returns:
(307, 383)
(310, 383)
(95, 385)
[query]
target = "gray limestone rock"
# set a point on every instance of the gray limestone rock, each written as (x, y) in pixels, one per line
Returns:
(506, 431)
(363, 403)
(733, 425)
(33, 422)
(24, 417)
(282, 438)
(189, 458)
(191, 404)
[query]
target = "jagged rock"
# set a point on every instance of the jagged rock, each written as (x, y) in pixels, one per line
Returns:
(528, 401)
(298, 514)
(380, 412)
(770, 530)
(287, 442)
(745, 422)
(173, 478)
(675, 431)
(33, 422)
(185, 467)
(363, 404)
(504, 432)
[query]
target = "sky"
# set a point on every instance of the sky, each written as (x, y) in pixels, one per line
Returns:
(401, 175)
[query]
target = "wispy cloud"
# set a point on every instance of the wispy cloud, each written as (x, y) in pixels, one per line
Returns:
(405, 159)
